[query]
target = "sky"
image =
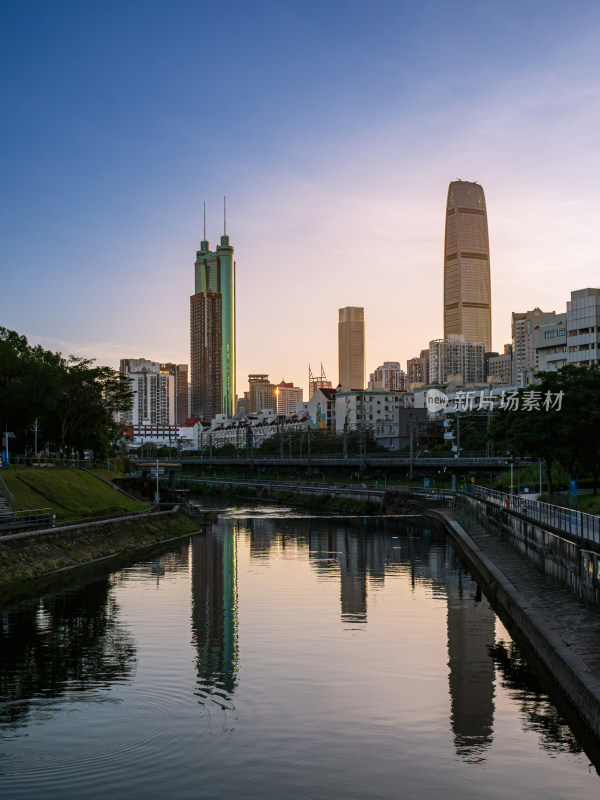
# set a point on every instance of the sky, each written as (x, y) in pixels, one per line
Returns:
(333, 128)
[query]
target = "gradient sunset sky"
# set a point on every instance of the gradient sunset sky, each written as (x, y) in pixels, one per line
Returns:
(333, 128)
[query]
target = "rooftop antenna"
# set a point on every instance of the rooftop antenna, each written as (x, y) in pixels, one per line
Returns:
(224, 217)
(205, 220)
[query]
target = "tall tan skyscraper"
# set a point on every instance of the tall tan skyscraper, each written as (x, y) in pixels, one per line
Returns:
(351, 347)
(467, 296)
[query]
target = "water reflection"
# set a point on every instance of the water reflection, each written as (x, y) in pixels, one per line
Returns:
(214, 613)
(539, 714)
(360, 560)
(65, 642)
(471, 635)
(289, 698)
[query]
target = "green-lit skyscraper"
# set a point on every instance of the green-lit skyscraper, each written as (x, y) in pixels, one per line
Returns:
(215, 271)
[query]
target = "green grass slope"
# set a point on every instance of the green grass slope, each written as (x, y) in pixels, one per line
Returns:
(70, 493)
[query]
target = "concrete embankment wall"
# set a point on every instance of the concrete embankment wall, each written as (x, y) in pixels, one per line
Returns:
(567, 559)
(28, 556)
(566, 668)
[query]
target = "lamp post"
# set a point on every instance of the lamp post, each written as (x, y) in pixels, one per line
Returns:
(156, 495)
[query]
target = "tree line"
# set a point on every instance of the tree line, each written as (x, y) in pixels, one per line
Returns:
(556, 421)
(72, 402)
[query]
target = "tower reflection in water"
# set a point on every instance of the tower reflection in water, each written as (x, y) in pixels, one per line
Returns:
(471, 639)
(362, 560)
(215, 613)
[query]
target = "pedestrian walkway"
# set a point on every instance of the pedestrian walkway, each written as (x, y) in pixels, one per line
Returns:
(574, 622)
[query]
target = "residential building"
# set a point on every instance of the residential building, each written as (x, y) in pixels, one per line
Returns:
(467, 293)
(454, 356)
(215, 272)
(153, 399)
(351, 347)
(180, 373)
(389, 376)
(256, 382)
(321, 409)
(206, 356)
(499, 368)
(404, 423)
(266, 397)
(181, 436)
(523, 327)
(417, 369)
(287, 396)
(128, 365)
(364, 409)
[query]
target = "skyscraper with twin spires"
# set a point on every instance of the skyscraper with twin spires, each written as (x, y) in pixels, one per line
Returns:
(215, 272)
(467, 294)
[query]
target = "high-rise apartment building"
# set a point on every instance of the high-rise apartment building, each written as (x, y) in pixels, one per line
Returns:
(206, 354)
(351, 347)
(523, 327)
(256, 383)
(455, 356)
(215, 272)
(287, 395)
(417, 369)
(467, 295)
(180, 373)
(389, 375)
(153, 394)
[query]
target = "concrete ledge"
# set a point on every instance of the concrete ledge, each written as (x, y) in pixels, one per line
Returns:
(579, 684)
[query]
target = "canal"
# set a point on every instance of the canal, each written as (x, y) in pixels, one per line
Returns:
(286, 656)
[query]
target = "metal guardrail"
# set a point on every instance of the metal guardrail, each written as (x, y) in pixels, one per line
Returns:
(5, 492)
(287, 487)
(34, 516)
(369, 460)
(567, 520)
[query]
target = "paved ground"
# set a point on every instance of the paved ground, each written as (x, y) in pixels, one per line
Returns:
(574, 622)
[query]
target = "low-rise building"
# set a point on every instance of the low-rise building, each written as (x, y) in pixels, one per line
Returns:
(321, 409)
(499, 368)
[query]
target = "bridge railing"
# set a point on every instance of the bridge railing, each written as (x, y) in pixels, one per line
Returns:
(568, 520)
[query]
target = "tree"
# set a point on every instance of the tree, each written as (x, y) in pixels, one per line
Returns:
(74, 402)
(557, 420)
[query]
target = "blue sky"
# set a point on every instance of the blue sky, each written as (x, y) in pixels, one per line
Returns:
(333, 128)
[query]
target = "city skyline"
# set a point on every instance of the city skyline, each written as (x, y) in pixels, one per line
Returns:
(107, 163)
